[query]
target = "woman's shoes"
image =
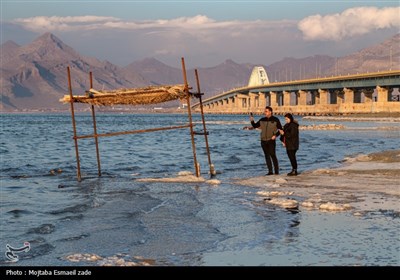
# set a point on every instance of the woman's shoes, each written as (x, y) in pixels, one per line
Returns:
(292, 173)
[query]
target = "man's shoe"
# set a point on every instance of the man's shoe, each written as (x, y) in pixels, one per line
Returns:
(276, 172)
(292, 173)
(269, 173)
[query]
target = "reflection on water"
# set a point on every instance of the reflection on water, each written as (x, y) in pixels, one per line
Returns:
(176, 223)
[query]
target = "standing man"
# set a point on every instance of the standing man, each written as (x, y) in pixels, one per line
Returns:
(270, 126)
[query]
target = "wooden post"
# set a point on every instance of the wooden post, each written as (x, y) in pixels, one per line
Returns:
(73, 124)
(212, 170)
(196, 167)
(95, 129)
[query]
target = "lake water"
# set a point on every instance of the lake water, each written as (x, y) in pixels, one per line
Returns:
(176, 223)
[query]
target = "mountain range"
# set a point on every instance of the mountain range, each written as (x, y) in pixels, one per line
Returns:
(34, 76)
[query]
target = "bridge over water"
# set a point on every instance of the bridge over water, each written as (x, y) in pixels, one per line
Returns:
(361, 93)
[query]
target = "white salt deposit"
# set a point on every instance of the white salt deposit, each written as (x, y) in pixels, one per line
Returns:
(213, 182)
(269, 185)
(329, 206)
(281, 181)
(116, 260)
(182, 177)
(284, 203)
(179, 179)
(274, 193)
(307, 204)
(185, 173)
(83, 257)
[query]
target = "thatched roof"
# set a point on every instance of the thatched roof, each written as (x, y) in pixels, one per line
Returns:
(132, 96)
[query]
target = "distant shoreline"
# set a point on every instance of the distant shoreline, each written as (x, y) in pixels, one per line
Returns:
(140, 111)
(395, 116)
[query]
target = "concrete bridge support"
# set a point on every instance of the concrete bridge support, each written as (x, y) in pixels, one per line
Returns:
(263, 101)
(245, 103)
(348, 95)
(273, 99)
(231, 104)
(302, 97)
(323, 96)
(254, 102)
(383, 93)
(242, 102)
(286, 98)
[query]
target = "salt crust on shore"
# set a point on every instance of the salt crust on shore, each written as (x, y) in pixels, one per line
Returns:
(362, 184)
(353, 118)
(182, 177)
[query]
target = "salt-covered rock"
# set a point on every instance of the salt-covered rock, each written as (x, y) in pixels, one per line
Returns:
(94, 258)
(273, 193)
(117, 260)
(281, 181)
(213, 182)
(363, 158)
(307, 204)
(329, 206)
(83, 257)
(284, 203)
(73, 258)
(321, 171)
(185, 173)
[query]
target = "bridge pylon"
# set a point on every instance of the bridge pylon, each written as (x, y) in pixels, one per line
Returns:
(258, 77)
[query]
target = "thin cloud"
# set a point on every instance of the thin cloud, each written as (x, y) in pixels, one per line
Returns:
(41, 24)
(352, 22)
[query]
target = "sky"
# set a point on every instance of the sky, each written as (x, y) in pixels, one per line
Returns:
(206, 33)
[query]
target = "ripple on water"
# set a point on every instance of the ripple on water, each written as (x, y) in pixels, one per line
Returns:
(43, 229)
(72, 209)
(17, 213)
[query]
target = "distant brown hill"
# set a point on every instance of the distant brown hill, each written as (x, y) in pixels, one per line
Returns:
(34, 76)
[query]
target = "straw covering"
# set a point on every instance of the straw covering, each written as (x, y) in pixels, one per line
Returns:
(132, 96)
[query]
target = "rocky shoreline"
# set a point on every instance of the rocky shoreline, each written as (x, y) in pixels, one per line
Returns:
(362, 184)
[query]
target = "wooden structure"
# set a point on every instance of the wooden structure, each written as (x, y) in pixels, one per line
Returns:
(137, 96)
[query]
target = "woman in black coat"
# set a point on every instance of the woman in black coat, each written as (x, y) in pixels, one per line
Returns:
(290, 139)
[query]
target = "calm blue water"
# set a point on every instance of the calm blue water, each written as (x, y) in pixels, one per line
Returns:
(173, 223)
